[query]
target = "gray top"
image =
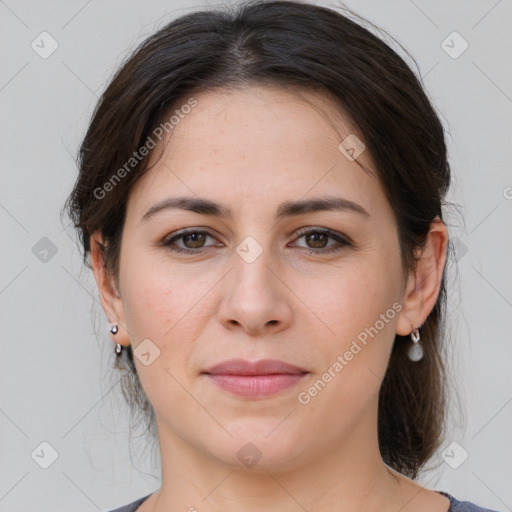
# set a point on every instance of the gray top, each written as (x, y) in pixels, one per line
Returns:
(131, 507)
(455, 505)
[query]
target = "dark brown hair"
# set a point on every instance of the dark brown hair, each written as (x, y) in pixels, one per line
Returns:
(293, 45)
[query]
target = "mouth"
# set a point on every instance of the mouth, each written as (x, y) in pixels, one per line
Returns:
(255, 379)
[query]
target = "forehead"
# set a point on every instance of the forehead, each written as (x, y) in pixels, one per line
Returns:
(276, 115)
(257, 144)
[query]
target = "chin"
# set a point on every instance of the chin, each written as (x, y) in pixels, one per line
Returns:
(258, 446)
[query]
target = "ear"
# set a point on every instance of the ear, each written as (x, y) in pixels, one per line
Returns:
(110, 298)
(424, 283)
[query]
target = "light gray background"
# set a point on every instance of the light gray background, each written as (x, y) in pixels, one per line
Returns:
(54, 378)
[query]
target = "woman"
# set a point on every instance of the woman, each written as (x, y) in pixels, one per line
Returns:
(260, 194)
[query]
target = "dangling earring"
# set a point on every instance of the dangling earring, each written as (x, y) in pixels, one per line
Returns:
(415, 351)
(119, 348)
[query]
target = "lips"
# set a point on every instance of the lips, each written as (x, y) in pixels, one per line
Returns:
(252, 380)
(262, 367)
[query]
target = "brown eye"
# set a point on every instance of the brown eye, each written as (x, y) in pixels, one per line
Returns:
(317, 240)
(189, 241)
(196, 240)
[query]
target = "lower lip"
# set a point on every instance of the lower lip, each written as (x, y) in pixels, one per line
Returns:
(256, 386)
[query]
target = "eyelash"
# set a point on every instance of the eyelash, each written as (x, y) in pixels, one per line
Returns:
(341, 240)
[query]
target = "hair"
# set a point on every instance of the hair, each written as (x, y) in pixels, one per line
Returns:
(296, 45)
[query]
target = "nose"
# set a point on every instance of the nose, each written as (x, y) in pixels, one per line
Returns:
(255, 297)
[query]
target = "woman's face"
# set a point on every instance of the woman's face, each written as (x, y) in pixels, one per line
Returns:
(254, 285)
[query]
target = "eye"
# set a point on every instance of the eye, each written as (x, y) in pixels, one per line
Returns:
(192, 240)
(317, 240)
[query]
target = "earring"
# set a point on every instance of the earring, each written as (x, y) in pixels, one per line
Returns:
(415, 351)
(119, 348)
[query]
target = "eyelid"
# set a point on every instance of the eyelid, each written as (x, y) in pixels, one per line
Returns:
(317, 229)
(168, 240)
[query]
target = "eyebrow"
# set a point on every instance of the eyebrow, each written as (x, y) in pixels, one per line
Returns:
(286, 209)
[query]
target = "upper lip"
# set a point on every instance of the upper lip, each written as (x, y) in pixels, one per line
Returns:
(262, 367)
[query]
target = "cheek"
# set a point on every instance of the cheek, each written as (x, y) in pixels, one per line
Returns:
(150, 305)
(353, 359)
(354, 299)
(358, 321)
(158, 307)
(165, 303)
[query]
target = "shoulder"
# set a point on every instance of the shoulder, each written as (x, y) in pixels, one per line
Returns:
(131, 507)
(464, 506)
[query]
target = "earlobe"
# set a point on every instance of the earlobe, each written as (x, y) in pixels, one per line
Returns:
(405, 322)
(424, 283)
(109, 296)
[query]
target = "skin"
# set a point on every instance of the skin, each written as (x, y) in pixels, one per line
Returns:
(252, 149)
